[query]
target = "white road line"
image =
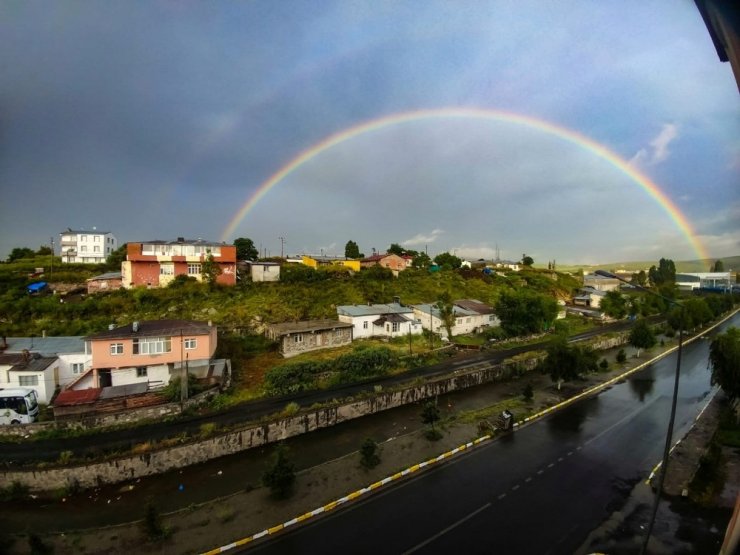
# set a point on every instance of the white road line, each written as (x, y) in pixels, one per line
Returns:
(516, 487)
(540, 471)
(550, 465)
(501, 496)
(443, 532)
(528, 479)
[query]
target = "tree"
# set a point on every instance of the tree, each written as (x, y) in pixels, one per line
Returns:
(664, 273)
(19, 253)
(116, 258)
(395, 248)
(448, 260)
(44, 250)
(724, 356)
(718, 266)
(527, 260)
(640, 278)
(525, 312)
(429, 415)
(421, 260)
(280, 476)
(614, 304)
(446, 313)
(245, 249)
(566, 362)
(641, 336)
(351, 250)
(210, 270)
(369, 457)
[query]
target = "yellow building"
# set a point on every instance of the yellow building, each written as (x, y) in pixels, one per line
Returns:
(316, 261)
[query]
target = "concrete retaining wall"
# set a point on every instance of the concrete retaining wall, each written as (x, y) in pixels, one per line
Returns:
(307, 420)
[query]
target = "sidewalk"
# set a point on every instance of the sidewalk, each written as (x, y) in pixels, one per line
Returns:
(329, 466)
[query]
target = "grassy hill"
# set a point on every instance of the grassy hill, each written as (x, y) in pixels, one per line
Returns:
(730, 263)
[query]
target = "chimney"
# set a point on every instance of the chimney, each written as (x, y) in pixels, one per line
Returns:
(210, 323)
(111, 326)
(181, 239)
(43, 333)
(135, 327)
(397, 300)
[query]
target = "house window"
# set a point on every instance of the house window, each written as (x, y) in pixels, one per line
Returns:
(459, 320)
(141, 372)
(491, 318)
(96, 248)
(191, 343)
(298, 338)
(194, 269)
(167, 270)
(78, 367)
(152, 345)
(395, 326)
(83, 248)
(96, 238)
(116, 348)
(83, 237)
(28, 380)
(364, 325)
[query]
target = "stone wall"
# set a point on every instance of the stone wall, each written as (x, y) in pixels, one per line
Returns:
(254, 435)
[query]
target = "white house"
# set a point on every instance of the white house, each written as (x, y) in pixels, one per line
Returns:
(43, 363)
(88, 247)
(590, 297)
(380, 320)
(601, 283)
(470, 316)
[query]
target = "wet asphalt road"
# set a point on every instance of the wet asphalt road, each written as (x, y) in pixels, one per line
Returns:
(540, 490)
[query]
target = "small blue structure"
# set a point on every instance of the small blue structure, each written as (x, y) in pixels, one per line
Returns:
(36, 288)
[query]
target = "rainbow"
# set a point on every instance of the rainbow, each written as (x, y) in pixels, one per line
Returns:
(563, 133)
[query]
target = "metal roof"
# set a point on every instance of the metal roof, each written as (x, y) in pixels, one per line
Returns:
(109, 275)
(71, 397)
(154, 328)
(307, 326)
(373, 309)
(46, 345)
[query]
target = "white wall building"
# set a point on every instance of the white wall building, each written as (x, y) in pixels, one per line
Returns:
(711, 280)
(380, 320)
(470, 316)
(264, 271)
(87, 247)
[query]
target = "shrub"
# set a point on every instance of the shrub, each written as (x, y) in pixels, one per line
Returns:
(37, 546)
(280, 476)
(291, 409)
(621, 356)
(152, 525)
(369, 457)
(604, 364)
(528, 392)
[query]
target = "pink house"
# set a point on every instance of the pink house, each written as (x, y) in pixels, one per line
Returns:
(150, 352)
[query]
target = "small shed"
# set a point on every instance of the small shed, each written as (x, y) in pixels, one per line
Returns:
(295, 338)
(105, 282)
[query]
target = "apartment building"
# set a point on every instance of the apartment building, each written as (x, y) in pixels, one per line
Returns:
(158, 263)
(86, 247)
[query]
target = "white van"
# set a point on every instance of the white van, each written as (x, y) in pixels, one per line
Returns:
(18, 406)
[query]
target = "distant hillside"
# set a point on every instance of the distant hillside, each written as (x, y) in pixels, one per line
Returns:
(731, 263)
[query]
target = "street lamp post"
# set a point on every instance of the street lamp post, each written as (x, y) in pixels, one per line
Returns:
(669, 433)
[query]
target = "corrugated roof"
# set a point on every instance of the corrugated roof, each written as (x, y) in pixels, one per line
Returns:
(475, 305)
(373, 309)
(124, 390)
(109, 275)
(46, 345)
(34, 363)
(70, 397)
(154, 328)
(307, 326)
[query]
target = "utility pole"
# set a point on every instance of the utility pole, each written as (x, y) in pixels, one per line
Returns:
(51, 272)
(282, 244)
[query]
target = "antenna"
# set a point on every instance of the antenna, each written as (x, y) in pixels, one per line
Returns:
(282, 245)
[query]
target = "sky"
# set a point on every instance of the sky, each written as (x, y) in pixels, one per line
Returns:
(158, 120)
